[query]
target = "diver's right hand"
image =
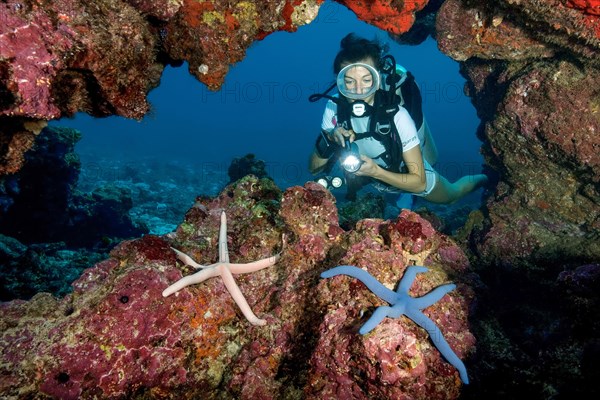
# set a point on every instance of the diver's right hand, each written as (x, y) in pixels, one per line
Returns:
(339, 134)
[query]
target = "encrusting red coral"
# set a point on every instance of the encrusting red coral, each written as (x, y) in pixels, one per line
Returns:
(391, 16)
(591, 9)
(588, 6)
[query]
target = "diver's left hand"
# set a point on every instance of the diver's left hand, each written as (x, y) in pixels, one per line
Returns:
(368, 167)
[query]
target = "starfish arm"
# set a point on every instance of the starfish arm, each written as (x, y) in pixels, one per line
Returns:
(373, 284)
(438, 340)
(239, 298)
(409, 277)
(190, 280)
(378, 315)
(253, 266)
(187, 260)
(223, 251)
(432, 297)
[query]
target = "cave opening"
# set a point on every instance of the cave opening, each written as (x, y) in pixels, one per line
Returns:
(185, 145)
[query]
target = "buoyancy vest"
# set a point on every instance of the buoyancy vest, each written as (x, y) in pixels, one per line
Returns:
(381, 128)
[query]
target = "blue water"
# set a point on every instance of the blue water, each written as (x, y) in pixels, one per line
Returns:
(263, 108)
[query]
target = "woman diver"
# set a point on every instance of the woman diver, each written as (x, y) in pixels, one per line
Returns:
(369, 119)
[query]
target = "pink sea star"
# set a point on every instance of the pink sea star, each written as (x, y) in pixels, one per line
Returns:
(225, 269)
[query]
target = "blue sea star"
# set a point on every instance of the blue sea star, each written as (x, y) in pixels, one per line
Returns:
(404, 304)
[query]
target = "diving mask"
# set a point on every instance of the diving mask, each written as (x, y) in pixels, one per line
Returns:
(358, 81)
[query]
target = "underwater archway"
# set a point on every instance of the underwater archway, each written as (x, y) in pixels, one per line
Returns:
(192, 133)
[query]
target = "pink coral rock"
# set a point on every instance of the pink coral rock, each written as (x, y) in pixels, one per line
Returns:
(395, 360)
(116, 336)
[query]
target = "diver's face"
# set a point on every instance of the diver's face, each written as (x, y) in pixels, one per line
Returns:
(359, 80)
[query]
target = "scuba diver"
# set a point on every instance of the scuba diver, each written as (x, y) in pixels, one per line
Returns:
(370, 127)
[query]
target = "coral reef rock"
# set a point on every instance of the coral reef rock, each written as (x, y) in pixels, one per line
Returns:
(534, 82)
(394, 17)
(532, 70)
(116, 336)
(61, 57)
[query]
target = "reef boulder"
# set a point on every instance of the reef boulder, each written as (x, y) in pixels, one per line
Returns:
(116, 336)
(547, 202)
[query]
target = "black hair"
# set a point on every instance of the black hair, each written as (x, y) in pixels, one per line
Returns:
(354, 48)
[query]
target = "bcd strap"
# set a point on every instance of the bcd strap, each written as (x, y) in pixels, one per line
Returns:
(381, 127)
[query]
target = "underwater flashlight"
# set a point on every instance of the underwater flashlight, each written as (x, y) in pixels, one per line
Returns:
(351, 161)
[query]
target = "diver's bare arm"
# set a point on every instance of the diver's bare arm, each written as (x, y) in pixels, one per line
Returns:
(413, 181)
